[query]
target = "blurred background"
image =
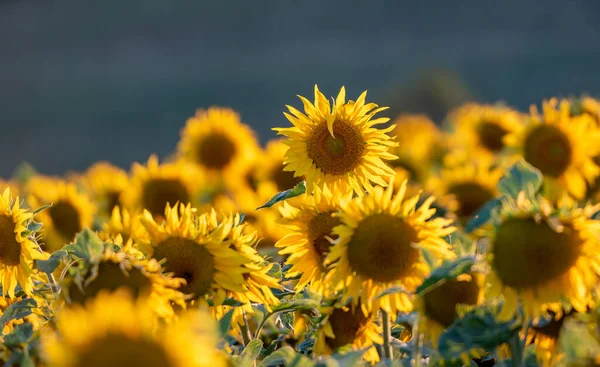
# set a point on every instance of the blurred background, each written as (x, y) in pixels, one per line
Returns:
(82, 81)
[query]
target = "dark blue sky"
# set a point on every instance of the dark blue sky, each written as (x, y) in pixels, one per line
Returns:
(82, 80)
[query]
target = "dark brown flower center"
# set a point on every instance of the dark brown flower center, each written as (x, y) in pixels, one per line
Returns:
(215, 151)
(346, 326)
(118, 350)
(112, 200)
(319, 228)
(188, 260)
(470, 196)
(381, 248)
(65, 219)
(548, 149)
(528, 254)
(491, 135)
(10, 248)
(404, 164)
(158, 192)
(284, 180)
(441, 302)
(339, 155)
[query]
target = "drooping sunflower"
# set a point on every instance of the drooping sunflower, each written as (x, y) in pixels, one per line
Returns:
(438, 308)
(465, 187)
(338, 145)
(379, 247)
(114, 330)
(544, 333)
(17, 249)
(561, 146)
(71, 210)
(154, 185)
(207, 261)
(481, 129)
(105, 183)
(311, 236)
(542, 255)
(141, 277)
(348, 325)
(217, 141)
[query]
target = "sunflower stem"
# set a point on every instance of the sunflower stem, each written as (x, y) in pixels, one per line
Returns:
(245, 330)
(516, 350)
(387, 334)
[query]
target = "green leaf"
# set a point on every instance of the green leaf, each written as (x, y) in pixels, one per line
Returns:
(231, 302)
(299, 189)
(20, 335)
(287, 320)
(17, 310)
(274, 344)
(351, 358)
(483, 215)
(275, 271)
(288, 357)
(296, 305)
(225, 322)
(87, 245)
(250, 353)
(34, 226)
(48, 266)
(522, 176)
(448, 270)
(577, 343)
(43, 207)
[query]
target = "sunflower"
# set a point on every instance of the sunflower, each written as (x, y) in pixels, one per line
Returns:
(207, 261)
(544, 333)
(542, 255)
(105, 183)
(154, 185)
(561, 146)
(348, 325)
(123, 229)
(69, 213)
(438, 308)
(379, 248)
(589, 106)
(217, 141)
(481, 129)
(311, 236)
(272, 178)
(114, 330)
(12, 185)
(18, 249)
(465, 187)
(338, 145)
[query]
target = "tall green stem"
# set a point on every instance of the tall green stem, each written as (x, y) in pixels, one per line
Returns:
(387, 335)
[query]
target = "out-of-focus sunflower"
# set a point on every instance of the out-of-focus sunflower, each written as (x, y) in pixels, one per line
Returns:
(272, 178)
(338, 145)
(541, 255)
(216, 140)
(207, 261)
(438, 308)
(114, 330)
(12, 185)
(379, 247)
(544, 333)
(311, 234)
(154, 185)
(465, 187)
(105, 183)
(480, 129)
(17, 249)
(142, 278)
(561, 146)
(348, 325)
(123, 229)
(587, 105)
(71, 210)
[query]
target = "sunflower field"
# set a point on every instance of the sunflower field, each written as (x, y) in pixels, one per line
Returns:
(349, 240)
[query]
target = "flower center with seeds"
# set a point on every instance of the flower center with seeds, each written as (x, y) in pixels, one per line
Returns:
(346, 326)
(158, 192)
(284, 180)
(339, 155)
(10, 248)
(110, 278)
(381, 248)
(470, 196)
(189, 260)
(319, 228)
(441, 302)
(65, 219)
(116, 350)
(527, 254)
(215, 151)
(548, 149)
(491, 135)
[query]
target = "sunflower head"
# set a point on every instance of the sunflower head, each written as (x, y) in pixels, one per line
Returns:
(105, 183)
(155, 185)
(69, 213)
(123, 229)
(115, 330)
(272, 178)
(338, 145)
(541, 255)
(561, 146)
(381, 242)
(217, 141)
